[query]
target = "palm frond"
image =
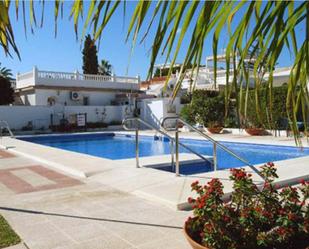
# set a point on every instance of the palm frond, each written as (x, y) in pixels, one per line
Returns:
(267, 28)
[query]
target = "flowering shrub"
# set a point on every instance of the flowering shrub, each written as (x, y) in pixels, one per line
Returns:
(255, 217)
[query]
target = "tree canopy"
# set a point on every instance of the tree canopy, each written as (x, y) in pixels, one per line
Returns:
(6, 91)
(90, 58)
(6, 73)
(105, 68)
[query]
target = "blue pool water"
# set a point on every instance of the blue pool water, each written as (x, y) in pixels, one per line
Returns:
(109, 145)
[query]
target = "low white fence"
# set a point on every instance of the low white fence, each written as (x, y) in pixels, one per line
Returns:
(39, 117)
(78, 76)
(39, 77)
(20, 116)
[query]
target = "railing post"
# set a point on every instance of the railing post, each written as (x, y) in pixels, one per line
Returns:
(35, 74)
(172, 154)
(177, 151)
(76, 74)
(136, 146)
(138, 79)
(215, 156)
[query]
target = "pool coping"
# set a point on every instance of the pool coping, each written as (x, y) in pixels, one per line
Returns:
(145, 182)
(192, 136)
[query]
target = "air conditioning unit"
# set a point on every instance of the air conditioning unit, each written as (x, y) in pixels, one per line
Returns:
(75, 96)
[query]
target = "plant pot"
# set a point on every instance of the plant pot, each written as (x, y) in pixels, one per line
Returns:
(215, 130)
(255, 131)
(192, 243)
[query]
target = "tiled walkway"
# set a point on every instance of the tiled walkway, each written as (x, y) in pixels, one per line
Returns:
(50, 210)
(5, 154)
(34, 178)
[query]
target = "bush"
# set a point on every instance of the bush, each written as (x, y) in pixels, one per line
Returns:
(208, 107)
(255, 219)
(185, 99)
(188, 114)
(267, 120)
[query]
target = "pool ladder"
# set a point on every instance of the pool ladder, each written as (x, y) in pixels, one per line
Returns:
(175, 140)
(214, 142)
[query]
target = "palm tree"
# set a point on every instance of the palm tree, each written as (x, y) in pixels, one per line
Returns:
(105, 68)
(268, 26)
(6, 73)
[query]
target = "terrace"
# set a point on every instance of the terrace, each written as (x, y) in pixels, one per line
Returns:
(41, 78)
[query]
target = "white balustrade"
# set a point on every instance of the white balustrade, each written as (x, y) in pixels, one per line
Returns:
(36, 77)
(25, 76)
(91, 77)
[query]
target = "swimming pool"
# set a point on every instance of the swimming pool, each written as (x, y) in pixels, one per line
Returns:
(120, 146)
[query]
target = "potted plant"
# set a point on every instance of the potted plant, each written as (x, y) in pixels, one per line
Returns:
(254, 126)
(214, 127)
(255, 131)
(256, 217)
(209, 108)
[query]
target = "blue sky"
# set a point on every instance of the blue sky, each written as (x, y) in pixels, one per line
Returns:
(63, 53)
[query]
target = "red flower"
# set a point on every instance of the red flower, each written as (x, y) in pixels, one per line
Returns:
(281, 211)
(194, 184)
(271, 164)
(282, 231)
(190, 200)
(226, 218)
(292, 217)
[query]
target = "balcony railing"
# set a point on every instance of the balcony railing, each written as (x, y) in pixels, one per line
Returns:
(92, 77)
(37, 74)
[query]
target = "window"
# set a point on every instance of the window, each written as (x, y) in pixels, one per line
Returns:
(86, 101)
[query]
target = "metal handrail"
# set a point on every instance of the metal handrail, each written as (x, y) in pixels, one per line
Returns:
(7, 127)
(215, 143)
(138, 120)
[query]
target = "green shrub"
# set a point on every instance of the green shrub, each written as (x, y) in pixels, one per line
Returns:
(267, 119)
(188, 114)
(185, 99)
(256, 217)
(208, 107)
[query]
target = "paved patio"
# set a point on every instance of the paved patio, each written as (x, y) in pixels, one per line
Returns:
(50, 209)
(62, 199)
(148, 183)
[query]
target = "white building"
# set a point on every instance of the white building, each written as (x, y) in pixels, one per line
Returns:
(40, 88)
(205, 77)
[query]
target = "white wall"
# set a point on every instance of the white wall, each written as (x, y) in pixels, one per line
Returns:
(87, 83)
(40, 116)
(95, 113)
(19, 116)
(62, 96)
(28, 99)
(154, 110)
